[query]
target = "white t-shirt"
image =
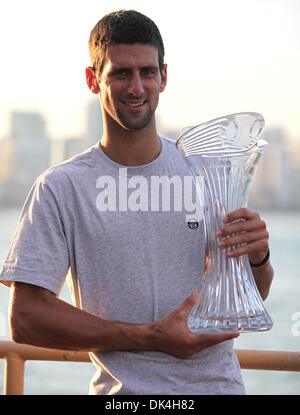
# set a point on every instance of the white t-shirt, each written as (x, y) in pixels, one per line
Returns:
(124, 237)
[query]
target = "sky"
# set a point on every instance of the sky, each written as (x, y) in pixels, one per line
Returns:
(223, 56)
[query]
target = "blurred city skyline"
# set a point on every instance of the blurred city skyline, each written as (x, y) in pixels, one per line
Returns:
(223, 57)
(28, 151)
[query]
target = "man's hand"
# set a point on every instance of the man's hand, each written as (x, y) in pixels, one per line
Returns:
(244, 233)
(171, 334)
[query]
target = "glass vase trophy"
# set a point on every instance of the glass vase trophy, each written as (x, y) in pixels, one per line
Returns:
(224, 153)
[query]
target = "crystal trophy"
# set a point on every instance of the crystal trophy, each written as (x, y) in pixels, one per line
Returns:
(224, 153)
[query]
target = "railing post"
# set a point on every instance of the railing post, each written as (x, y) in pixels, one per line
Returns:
(13, 374)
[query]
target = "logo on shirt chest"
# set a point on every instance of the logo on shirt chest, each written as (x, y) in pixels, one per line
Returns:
(193, 224)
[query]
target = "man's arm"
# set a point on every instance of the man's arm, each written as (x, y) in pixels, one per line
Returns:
(245, 227)
(263, 277)
(39, 318)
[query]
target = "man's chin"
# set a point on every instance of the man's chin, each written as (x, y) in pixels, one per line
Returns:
(135, 124)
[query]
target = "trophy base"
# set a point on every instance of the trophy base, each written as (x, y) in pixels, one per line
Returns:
(226, 325)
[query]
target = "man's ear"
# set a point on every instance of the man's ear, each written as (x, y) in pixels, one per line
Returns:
(91, 80)
(164, 76)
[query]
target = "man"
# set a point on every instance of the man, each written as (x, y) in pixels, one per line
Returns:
(134, 267)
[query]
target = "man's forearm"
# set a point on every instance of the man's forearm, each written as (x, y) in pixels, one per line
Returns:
(263, 277)
(52, 323)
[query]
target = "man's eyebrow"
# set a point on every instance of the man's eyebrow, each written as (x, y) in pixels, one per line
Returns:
(151, 67)
(115, 69)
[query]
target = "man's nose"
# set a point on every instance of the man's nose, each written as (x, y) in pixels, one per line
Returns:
(136, 87)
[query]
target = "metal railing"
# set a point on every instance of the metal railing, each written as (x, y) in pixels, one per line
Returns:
(15, 355)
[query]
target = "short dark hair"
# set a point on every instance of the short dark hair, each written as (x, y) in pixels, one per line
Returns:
(123, 26)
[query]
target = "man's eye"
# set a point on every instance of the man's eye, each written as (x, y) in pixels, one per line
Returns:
(121, 74)
(148, 71)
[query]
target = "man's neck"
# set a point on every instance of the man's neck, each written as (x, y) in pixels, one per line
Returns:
(131, 148)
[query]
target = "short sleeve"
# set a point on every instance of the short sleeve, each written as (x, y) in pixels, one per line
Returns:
(38, 253)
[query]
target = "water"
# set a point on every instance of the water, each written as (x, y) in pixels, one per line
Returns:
(284, 301)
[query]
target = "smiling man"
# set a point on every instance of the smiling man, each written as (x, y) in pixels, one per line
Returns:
(133, 273)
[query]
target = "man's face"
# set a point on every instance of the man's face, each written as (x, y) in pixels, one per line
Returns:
(130, 85)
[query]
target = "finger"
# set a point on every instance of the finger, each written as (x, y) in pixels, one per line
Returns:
(256, 246)
(186, 306)
(243, 238)
(226, 336)
(242, 226)
(242, 213)
(208, 340)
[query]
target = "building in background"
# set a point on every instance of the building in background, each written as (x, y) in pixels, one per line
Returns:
(273, 184)
(24, 154)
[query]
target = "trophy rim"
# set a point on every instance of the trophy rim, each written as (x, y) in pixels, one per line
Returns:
(257, 146)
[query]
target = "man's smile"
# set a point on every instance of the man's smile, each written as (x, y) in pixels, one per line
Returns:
(133, 103)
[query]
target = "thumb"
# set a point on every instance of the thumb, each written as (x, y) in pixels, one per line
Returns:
(195, 295)
(191, 300)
